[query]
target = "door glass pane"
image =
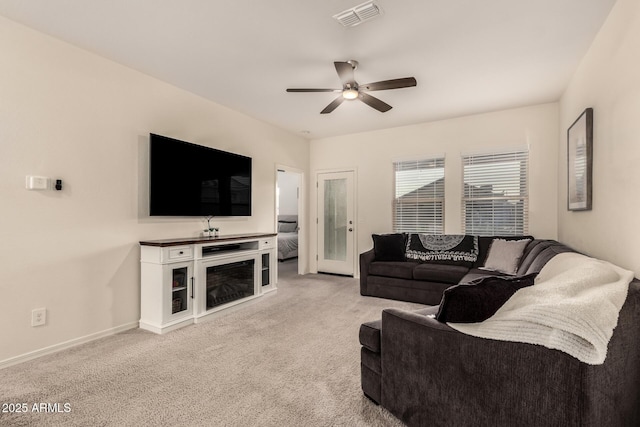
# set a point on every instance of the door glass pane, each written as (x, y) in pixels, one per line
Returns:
(335, 219)
(179, 287)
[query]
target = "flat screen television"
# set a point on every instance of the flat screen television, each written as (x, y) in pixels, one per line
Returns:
(192, 180)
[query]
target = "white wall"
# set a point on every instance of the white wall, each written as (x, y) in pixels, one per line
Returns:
(372, 154)
(66, 113)
(607, 80)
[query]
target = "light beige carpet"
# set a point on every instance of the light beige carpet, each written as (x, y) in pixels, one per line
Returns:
(291, 359)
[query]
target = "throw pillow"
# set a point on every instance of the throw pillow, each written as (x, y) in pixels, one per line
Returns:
(457, 249)
(480, 299)
(504, 255)
(389, 247)
(484, 242)
(287, 227)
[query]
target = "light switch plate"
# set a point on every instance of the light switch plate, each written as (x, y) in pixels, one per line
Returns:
(37, 182)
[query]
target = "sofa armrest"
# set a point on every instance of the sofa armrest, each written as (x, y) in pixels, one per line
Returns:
(435, 375)
(366, 258)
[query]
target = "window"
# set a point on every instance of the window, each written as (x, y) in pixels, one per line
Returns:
(495, 197)
(419, 196)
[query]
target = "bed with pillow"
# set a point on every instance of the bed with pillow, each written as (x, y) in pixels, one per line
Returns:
(419, 268)
(287, 237)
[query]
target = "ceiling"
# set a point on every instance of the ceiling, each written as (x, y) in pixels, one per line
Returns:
(468, 56)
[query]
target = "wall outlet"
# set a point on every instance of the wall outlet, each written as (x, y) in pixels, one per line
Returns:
(38, 317)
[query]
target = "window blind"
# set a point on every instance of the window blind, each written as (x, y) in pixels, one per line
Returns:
(419, 196)
(495, 193)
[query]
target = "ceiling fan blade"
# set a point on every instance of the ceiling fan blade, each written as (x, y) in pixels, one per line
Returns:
(334, 104)
(345, 71)
(390, 84)
(314, 90)
(374, 102)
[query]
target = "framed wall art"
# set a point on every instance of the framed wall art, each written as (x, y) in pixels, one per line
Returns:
(580, 162)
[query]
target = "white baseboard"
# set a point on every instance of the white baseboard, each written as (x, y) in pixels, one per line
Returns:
(167, 327)
(64, 345)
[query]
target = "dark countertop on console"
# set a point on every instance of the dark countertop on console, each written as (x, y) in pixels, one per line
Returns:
(199, 240)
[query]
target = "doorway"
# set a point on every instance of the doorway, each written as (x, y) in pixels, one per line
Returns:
(290, 220)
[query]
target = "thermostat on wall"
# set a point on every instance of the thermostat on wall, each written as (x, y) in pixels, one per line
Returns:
(37, 182)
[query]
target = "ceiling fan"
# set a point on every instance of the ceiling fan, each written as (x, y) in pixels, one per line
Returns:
(352, 90)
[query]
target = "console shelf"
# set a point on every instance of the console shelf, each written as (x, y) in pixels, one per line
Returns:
(184, 281)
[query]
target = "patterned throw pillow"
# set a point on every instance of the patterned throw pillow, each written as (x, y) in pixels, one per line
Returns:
(456, 249)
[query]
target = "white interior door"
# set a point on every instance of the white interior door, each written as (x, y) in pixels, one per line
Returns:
(335, 223)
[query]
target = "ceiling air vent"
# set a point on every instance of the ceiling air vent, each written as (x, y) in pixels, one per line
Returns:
(357, 15)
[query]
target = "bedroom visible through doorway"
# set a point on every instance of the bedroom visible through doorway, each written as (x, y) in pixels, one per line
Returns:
(289, 184)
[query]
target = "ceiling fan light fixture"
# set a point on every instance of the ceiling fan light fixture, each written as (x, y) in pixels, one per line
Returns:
(351, 90)
(350, 93)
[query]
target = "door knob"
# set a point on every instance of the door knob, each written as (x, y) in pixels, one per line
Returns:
(351, 229)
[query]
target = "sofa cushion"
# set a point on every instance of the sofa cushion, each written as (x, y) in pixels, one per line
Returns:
(429, 293)
(540, 255)
(442, 248)
(477, 273)
(484, 242)
(526, 255)
(370, 335)
(400, 270)
(389, 247)
(444, 273)
(479, 300)
(370, 331)
(504, 255)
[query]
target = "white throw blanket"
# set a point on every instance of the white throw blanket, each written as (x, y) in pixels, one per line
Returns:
(573, 307)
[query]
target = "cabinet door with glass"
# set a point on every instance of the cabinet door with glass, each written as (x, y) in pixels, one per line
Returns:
(268, 272)
(178, 290)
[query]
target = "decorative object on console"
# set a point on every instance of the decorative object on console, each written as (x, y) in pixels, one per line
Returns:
(580, 162)
(442, 247)
(210, 231)
(504, 255)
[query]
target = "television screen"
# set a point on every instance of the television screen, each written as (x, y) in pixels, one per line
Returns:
(191, 180)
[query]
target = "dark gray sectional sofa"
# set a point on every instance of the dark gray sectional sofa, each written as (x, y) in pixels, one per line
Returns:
(424, 282)
(427, 373)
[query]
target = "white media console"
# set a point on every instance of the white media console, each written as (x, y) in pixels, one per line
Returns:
(184, 281)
